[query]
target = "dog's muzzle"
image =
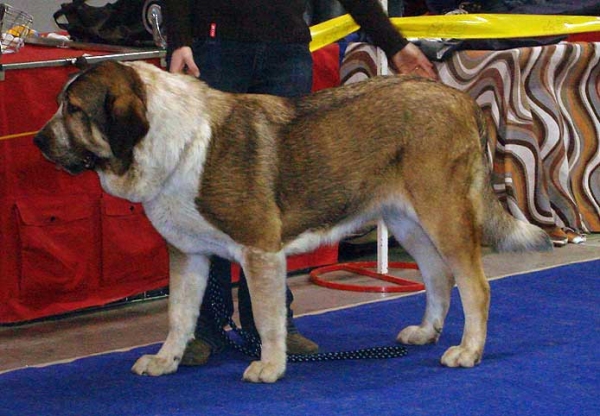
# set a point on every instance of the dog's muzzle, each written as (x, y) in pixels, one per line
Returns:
(76, 163)
(41, 142)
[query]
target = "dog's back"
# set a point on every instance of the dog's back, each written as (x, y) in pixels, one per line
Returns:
(334, 159)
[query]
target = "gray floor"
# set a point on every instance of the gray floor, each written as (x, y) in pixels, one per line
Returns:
(146, 322)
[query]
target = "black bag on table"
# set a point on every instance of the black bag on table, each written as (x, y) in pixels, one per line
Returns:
(119, 23)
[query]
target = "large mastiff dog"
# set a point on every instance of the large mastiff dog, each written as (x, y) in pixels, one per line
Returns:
(253, 178)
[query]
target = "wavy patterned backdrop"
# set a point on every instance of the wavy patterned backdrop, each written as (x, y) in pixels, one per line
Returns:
(545, 105)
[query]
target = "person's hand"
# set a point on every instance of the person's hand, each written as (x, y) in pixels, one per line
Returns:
(410, 60)
(182, 62)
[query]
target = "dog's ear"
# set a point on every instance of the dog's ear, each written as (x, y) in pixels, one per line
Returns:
(127, 123)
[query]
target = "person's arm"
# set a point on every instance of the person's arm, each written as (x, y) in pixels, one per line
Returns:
(403, 55)
(179, 36)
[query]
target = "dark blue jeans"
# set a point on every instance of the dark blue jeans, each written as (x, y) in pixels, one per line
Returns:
(259, 68)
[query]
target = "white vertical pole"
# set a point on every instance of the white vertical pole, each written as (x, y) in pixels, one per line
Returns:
(382, 248)
(382, 231)
(382, 62)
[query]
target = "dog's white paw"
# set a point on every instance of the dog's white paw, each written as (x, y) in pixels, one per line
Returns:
(153, 365)
(459, 356)
(418, 335)
(264, 372)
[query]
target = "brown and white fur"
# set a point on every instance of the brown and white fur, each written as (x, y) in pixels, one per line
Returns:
(253, 178)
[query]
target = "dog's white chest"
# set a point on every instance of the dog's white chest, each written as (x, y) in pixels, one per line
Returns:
(174, 215)
(178, 221)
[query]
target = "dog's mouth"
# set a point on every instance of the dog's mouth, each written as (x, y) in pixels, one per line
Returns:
(88, 162)
(74, 160)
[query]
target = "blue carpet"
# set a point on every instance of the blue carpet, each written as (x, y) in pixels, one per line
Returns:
(542, 358)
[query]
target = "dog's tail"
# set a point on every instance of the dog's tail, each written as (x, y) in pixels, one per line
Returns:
(502, 231)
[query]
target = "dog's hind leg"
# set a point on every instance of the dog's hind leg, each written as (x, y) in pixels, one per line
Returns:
(436, 276)
(475, 298)
(265, 274)
(457, 237)
(187, 283)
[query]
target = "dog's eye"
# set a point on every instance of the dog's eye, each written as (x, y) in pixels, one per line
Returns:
(72, 108)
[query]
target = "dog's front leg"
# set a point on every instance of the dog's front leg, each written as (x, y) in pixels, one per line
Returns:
(265, 273)
(188, 277)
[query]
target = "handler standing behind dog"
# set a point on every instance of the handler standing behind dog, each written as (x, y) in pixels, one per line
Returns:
(262, 47)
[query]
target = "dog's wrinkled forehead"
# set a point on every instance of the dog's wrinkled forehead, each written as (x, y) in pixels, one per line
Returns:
(71, 79)
(84, 88)
(62, 95)
(90, 87)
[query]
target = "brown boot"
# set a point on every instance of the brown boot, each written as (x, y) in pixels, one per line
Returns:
(196, 352)
(298, 344)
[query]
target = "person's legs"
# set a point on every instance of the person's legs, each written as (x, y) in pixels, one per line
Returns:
(210, 324)
(284, 70)
(277, 69)
(227, 67)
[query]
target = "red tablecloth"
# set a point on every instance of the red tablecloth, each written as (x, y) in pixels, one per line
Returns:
(28, 96)
(65, 244)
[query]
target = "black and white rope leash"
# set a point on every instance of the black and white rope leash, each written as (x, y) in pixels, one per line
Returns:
(249, 344)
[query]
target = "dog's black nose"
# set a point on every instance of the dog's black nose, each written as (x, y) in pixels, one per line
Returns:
(40, 141)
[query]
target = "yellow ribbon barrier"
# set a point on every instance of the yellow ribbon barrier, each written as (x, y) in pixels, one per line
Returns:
(463, 26)
(332, 30)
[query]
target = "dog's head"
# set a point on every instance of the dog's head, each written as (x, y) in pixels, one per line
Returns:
(100, 118)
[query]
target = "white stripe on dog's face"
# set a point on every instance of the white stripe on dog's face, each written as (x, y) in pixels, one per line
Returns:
(55, 144)
(79, 127)
(57, 127)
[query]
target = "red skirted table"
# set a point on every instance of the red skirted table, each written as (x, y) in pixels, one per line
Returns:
(64, 243)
